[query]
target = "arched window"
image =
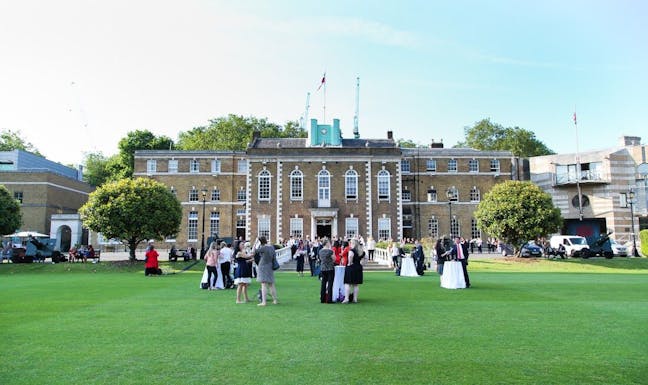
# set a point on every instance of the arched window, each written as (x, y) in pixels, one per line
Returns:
(296, 185)
(351, 184)
(475, 196)
(455, 229)
(324, 188)
(264, 185)
(383, 185)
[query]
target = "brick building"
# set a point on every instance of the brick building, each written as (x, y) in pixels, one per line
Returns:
(326, 185)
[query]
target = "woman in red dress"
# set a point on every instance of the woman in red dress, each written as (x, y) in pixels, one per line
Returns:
(152, 267)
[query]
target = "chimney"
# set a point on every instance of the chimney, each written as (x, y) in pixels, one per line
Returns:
(630, 140)
(80, 172)
(390, 135)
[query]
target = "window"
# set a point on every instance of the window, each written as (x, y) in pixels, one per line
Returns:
(174, 191)
(473, 165)
(452, 165)
(264, 185)
(241, 222)
(241, 195)
(324, 188)
(433, 227)
(192, 227)
(264, 227)
(431, 195)
(405, 166)
(194, 166)
(173, 166)
(455, 231)
(351, 184)
(215, 166)
(240, 212)
(151, 166)
(474, 230)
(495, 165)
(430, 165)
(214, 224)
(193, 195)
(242, 166)
(384, 228)
(215, 195)
(407, 195)
(454, 194)
(297, 227)
(296, 185)
(474, 194)
(18, 195)
(383, 185)
(351, 226)
(569, 173)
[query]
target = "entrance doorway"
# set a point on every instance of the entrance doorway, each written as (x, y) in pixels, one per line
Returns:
(65, 238)
(324, 228)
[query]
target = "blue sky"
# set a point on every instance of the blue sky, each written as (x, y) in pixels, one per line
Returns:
(76, 76)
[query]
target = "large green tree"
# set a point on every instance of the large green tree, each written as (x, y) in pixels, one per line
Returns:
(234, 132)
(97, 170)
(11, 140)
(10, 217)
(132, 210)
(133, 141)
(486, 135)
(516, 212)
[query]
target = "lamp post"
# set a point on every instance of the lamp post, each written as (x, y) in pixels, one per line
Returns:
(450, 195)
(631, 196)
(202, 242)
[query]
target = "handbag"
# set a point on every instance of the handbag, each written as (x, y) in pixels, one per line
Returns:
(275, 264)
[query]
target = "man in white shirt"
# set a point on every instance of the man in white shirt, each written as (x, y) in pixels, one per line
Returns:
(225, 259)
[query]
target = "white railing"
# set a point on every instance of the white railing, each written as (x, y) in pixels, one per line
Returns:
(283, 255)
(382, 257)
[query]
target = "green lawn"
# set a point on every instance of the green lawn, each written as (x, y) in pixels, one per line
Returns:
(540, 322)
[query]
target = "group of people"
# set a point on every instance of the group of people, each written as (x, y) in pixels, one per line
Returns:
(81, 254)
(457, 251)
(397, 252)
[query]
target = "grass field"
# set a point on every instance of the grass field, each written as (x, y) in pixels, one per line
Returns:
(540, 322)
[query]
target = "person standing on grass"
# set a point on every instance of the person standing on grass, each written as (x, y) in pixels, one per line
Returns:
(326, 256)
(211, 263)
(344, 259)
(353, 273)
(265, 274)
(152, 267)
(243, 273)
(300, 253)
(440, 252)
(460, 253)
(371, 247)
(225, 260)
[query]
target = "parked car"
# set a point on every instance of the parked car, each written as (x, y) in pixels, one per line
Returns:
(529, 249)
(618, 249)
(570, 245)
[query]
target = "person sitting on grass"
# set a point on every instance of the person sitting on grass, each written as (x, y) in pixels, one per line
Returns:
(152, 267)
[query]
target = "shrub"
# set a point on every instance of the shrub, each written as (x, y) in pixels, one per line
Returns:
(643, 238)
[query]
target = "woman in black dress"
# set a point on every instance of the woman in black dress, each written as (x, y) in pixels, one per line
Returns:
(299, 256)
(353, 272)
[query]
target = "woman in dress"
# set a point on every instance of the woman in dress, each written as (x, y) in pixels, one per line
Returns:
(243, 273)
(344, 259)
(152, 267)
(265, 274)
(299, 256)
(353, 272)
(337, 252)
(211, 262)
(325, 255)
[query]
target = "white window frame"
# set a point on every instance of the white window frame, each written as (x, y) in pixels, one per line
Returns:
(241, 195)
(215, 166)
(151, 166)
(242, 166)
(351, 227)
(297, 227)
(215, 195)
(384, 228)
(455, 227)
(406, 195)
(324, 188)
(454, 164)
(192, 226)
(172, 166)
(194, 166)
(455, 194)
(263, 227)
(495, 165)
(351, 185)
(431, 165)
(214, 223)
(193, 195)
(432, 195)
(406, 166)
(473, 165)
(384, 185)
(475, 195)
(264, 184)
(296, 185)
(433, 227)
(475, 232)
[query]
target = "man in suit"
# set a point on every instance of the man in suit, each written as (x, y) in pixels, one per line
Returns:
(419, 257)
(460, 253)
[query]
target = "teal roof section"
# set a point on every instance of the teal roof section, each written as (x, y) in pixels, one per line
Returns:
(325, 134)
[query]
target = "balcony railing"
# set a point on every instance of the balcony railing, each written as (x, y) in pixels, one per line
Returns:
(585, 177)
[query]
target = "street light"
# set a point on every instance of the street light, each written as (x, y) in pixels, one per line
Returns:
(631, 196)
(450, 195)
(202, 242)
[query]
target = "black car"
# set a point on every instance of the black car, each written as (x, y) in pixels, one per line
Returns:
(530, 249)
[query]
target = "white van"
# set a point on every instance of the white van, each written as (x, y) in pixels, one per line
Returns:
(573, 244)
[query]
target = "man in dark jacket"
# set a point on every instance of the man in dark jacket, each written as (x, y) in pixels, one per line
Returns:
(419, 257)
(460, 253)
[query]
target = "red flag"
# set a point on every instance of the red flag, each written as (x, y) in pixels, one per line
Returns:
(574, 117)
(323, 81)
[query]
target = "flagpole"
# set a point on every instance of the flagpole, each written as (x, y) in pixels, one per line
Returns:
(578, 170)
(324, 97)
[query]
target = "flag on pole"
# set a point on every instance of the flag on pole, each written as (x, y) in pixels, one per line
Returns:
(322, 82)
(574, 117)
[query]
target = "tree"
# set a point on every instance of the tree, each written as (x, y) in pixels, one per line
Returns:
(137, 140)
(406, 143)
(488, 136)
(11, 140)
(517, 212)
(96, 171)
(10, 216)
(132, 210)
(234, 132)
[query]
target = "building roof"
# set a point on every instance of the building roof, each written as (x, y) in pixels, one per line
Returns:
(23, 161)
(458, 152)
(267, 143)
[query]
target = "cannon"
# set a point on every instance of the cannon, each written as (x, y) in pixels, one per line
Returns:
(600, 246)
(40, 248)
